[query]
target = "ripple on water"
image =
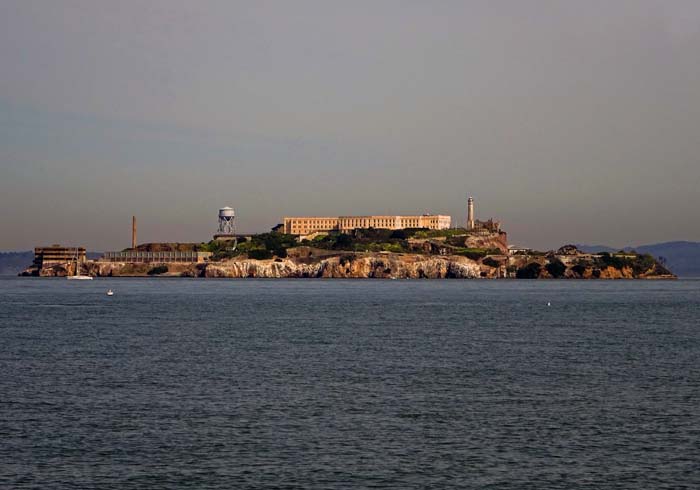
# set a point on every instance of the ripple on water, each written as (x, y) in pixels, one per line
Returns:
(349, 384)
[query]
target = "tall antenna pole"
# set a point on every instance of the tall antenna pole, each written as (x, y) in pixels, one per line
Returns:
(133, 232)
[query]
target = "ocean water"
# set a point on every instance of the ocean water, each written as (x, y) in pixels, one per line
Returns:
(335, 384)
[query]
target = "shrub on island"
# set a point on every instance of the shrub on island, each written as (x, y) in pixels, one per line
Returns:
(259, 254)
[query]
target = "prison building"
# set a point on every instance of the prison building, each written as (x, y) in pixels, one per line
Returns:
(305, 225)
(133, 256)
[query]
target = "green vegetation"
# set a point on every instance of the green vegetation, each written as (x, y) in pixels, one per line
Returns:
(491, 262)
(159, 269)
(219, 249)
(639, 263)
(606, 259)
(262, 246)
(426, 233)
(364, 240)
(274, 243)
(269, 245)
(643, 263)
(260, 254)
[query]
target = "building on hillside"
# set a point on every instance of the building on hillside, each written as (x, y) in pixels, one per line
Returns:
(515, 250)
(57, 254)
(136, 256)
(306, 225)
(488, 226)
(480, 227)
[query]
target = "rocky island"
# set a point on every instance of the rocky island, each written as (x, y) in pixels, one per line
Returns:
(369, 253)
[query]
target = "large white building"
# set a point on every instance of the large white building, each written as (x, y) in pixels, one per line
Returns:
(305, 225)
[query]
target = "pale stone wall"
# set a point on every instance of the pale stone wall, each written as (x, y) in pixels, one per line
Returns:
(305, 225)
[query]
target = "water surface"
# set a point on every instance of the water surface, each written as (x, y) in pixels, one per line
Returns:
(192, 383)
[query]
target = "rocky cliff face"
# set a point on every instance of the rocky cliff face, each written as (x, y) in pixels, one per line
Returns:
(495, 240)
(379, 265)
(364, 265)
(583, 266)
(127, 269)
(388, 266)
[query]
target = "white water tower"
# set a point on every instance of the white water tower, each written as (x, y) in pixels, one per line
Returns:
(226, 229)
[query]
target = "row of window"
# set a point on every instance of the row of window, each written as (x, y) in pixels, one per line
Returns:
(154, 254)
(302, 226)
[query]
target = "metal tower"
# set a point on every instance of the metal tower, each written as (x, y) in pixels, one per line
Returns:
(226, 219)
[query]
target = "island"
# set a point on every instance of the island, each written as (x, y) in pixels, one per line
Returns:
(410, 253)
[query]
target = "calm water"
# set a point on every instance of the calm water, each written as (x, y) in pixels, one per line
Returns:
(349, 384)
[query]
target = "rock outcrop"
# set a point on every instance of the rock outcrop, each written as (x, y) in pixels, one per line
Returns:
(387, 266)
(493, 240)
(390, 266)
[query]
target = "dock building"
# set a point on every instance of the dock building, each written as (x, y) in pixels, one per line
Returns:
(57, 254)
(306, 225)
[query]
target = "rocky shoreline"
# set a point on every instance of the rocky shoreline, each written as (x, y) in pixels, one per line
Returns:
(382, 265)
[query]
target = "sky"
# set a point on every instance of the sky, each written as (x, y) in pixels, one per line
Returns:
(570, 122)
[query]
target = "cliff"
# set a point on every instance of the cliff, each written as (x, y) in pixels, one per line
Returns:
(567, 265)
(362, 265)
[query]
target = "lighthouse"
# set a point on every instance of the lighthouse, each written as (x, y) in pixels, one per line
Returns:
(470, 213)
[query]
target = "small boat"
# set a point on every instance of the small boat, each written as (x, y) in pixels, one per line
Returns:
(78, 275)
(110, 292)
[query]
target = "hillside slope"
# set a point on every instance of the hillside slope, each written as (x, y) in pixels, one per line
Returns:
(683, 258)
(12, 263)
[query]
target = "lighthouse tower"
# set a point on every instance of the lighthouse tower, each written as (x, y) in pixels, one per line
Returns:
(470, 213)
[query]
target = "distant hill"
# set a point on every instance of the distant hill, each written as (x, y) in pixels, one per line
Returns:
(12, 263)
(682, 258)
(596, 249)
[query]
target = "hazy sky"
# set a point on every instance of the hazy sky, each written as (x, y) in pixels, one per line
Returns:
(569, 121)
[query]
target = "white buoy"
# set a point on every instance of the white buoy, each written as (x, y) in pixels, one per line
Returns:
(549, 304)
(110, 293)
